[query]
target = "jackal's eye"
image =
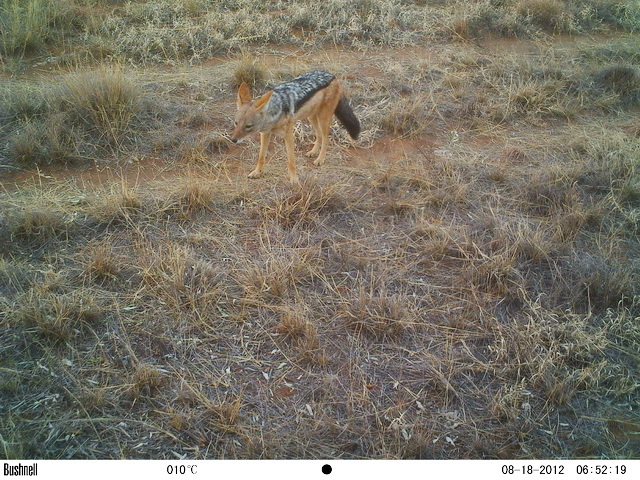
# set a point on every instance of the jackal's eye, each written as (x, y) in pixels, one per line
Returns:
(248, 126)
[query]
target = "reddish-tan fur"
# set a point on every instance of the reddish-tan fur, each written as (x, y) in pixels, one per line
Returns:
(319, 109)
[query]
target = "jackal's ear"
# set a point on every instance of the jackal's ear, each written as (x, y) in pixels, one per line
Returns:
(244, 94)
(262, 101)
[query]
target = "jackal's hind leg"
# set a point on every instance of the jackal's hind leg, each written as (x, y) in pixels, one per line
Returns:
(316, 129)
(323, 125)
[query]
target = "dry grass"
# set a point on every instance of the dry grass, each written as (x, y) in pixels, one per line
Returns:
(194, 30)
(546, 14)
(250, 72)
(27, 24)
(105, 100)
(461, 283)
(85, 116)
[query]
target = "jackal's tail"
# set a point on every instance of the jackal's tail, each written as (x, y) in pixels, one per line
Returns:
(347, 118)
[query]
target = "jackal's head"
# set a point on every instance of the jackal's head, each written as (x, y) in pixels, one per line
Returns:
(251, 115)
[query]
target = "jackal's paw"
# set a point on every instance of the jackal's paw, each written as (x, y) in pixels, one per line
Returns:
(255, 174)
(295, 180)
(318, 162)
(312, 152)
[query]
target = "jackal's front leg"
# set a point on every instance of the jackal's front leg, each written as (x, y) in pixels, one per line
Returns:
(265, 137)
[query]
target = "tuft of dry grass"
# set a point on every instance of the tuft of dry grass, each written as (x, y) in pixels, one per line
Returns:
(622, 80)
(303, 206)
(188, 199)
(546, 14)
(57, 317)
(251, 72)
(378, 314)
(145, 381)
(105, 100)
(409, 117)
(294, 324)
(297, 329)
(36, 224)
(103, 264)
(119, 205)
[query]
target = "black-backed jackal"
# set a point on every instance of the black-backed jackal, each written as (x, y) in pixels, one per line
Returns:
(315, 95)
